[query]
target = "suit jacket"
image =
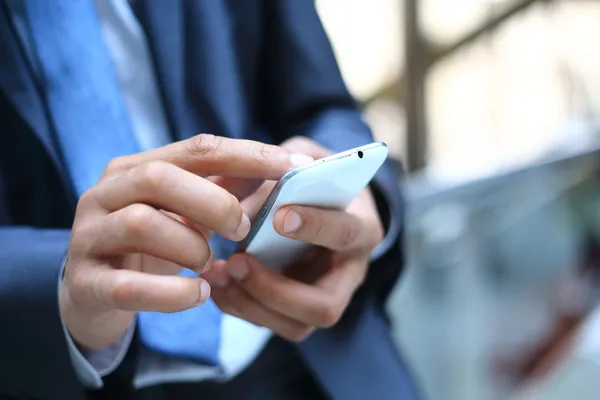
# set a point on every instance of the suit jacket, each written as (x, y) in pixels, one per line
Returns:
(257, 69)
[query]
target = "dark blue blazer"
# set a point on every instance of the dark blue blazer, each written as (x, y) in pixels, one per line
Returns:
(258, 69)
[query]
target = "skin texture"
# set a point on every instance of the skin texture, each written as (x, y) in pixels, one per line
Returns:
(149, 215)
(314, 292)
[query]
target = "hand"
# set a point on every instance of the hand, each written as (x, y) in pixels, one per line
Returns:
(314, 292)
(149, 214)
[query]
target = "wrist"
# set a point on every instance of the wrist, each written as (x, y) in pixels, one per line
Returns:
(92, 329)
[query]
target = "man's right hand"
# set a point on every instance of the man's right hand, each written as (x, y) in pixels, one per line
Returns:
(149, 215)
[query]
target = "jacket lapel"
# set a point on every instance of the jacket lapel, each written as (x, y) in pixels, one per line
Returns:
(18, 85)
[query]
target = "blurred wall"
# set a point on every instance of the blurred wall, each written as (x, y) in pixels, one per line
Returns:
(512, 96)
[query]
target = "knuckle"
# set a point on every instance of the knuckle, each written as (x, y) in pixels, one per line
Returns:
(376, 237)
(328, 315)
(234, 304)
(123, 291)
(203, 145)
(82, 237)
(151, 175)
(234, 309)
(78, 284)
(298, 335)
(86, 198)
(347, 236)
(265, 153)
(228, 209)
(116, 165)
(315, 221)
(241, 308)
(229, 205)
(138, 219)
(87, 202)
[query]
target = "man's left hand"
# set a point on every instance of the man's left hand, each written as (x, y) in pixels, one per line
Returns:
(315, 291)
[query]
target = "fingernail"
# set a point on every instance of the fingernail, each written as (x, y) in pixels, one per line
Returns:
(204, 291)
(291, 222)
(244, 227)
(207, 265)
(238, 269)
(300, 159)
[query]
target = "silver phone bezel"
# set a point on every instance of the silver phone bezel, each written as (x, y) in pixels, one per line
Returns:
(267, 205)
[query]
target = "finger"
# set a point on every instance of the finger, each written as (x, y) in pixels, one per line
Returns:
(216, 275)
(254, 201)
(165, 186)
(188, 222)
(309, 304)
(233, 300)
(137, 291)
(303, 145)
(139, 228)
(239, 187)
(312, 265)
(252, 204)
(158, 266)
(207, 154)
(334, 229)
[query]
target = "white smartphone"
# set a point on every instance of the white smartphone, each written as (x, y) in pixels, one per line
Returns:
(331, 182)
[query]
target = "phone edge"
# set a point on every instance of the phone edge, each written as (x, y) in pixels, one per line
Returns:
(272, 197)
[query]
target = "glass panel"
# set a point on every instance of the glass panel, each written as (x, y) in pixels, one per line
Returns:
(445, 21)
(367, 39)
(531, 88)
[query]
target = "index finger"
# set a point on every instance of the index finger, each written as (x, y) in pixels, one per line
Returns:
(207, 154)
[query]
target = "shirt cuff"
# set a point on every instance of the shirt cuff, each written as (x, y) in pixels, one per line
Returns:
(92, 365)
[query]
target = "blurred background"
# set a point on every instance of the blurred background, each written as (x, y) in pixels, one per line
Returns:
(493, 106)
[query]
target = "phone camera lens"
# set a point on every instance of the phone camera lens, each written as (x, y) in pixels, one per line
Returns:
(360, 154)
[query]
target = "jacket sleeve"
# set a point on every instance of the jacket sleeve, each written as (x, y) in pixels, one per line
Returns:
(34, 359)
(303, 93)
